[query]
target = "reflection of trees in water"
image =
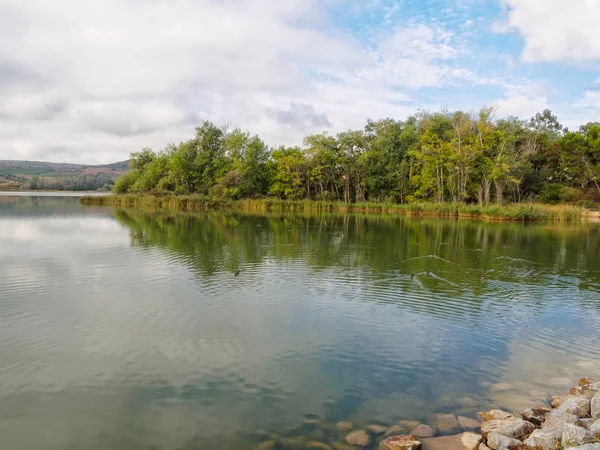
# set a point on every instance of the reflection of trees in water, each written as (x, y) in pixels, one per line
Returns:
(216, 241)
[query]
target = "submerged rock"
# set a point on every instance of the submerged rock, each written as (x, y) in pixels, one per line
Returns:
(404, 442)
(409, 424)
(342, 446)
(316, 445)
(545, 439)
(497, 441)
(536, 415)
(377, 429)
(512, 427)
(267, 445)
(442, 443)
(495, 414)
(395, 430)
(498, 387)
(447, 424)
(422, 431)
(468, 424)
(470, 441)
(467, 402)
(344, 426)
(359, 438)
(573, 436)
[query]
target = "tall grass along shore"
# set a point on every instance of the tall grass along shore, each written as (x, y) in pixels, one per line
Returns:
(512, 212)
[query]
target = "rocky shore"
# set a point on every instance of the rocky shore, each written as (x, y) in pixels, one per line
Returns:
(567, 421)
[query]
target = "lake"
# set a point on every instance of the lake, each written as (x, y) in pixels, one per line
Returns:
(130, 330)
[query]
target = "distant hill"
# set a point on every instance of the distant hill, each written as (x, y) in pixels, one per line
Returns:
(41, 175)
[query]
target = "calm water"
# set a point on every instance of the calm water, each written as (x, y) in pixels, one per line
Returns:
(125, 330)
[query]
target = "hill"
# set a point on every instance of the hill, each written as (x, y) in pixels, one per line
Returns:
(41, 175)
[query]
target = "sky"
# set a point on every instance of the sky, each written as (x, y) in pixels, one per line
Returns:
(91, 81)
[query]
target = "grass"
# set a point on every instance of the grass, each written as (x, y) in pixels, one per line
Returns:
(510, 212)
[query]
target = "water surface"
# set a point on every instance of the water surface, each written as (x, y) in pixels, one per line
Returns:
(129, 330)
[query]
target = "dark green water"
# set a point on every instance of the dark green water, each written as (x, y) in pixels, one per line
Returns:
(126, 330)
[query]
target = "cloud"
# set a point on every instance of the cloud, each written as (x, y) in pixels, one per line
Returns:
(93, 81)
(555, 30)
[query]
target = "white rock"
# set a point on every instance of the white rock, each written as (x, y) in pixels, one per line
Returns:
(558, 418)
(497, 441)
(595, 428)
(468, 424)
(573, 436)
(580, 406)
(514, 428)
(545, 439)
(470, 441)
(595, 407)
(585, 447)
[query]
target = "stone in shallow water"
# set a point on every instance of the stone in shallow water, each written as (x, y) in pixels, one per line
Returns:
(467, 402)
(316, 445)
(536, 415)
(470, 441)
(513, 428)
(545, 439)
(468, 424)
(404, 442)
(359, 438)
(267, 445)
(495, 414)
(442, 443)
(293, 443)
(447, 424)
(377, 429)
(497, 441)
(498, 387)
(409, 424)
(579, 406)
(573, 435)
(342, 446)
(422, 430)
(395, 430)
(344, 426)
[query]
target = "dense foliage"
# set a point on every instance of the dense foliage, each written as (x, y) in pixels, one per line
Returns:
(444, 156)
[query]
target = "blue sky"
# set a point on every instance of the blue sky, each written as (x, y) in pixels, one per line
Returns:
(93, 81)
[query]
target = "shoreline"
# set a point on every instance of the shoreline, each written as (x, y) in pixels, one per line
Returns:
(565, 421)
(519, 212)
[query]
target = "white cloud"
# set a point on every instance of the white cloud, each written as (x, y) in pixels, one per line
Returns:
(93, 81)
(555, 30)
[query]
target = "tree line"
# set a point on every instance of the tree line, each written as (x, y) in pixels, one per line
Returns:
(443, 156)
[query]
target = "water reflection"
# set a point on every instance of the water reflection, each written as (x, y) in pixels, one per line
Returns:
(131, 330)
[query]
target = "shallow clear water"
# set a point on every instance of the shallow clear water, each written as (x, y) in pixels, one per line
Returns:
(127, 330)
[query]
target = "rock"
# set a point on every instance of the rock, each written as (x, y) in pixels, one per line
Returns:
(317, 435)
(545, 439)
(467, 402)
(585, 381)
(594, 386)
(586, 447)
(316, 445)
(293, 443)
(558, 418)
(595, 407)
(360, 438)
(497, 441)
(377, 429)
(573, 435)
(580, 406)
(468, 424)
(403, 442)
(267, 445)
(495, 414)
(595, 428)
(342, 446)
(513, 428)
(344, 426)
(395, 430)
(586, 423)
(498, 387)
(409, 424)
(441, 443)
(482, 446)
(447, 424)
(536, 415)
(422, 430)
(470, 441)
(558, 400)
